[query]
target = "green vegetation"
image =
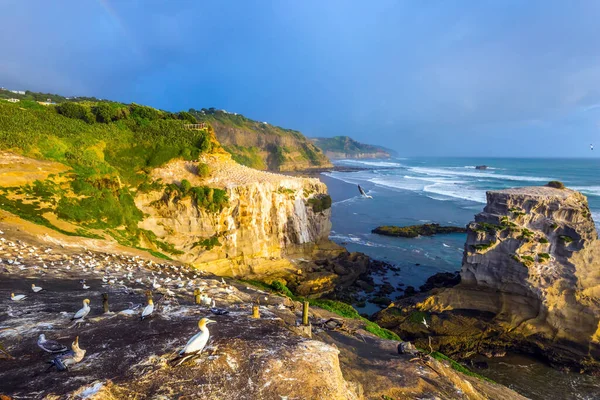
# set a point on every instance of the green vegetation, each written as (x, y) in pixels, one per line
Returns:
(320, 202)
(347, 147)
(413, 231)
(484, 246)
(457, 366)
(526, 234)
(336, 307)
(566, 239)
(543, 257)
(208, 243)
(207, 198)
(110, 149)
(486, 227)
(248, 156)
(261, 145)
(543, 240)
(527, 258)
(556, 184)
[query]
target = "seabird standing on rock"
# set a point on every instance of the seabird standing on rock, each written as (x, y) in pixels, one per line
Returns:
(85, 310)
(17, 297)
(217, 311)
(196, 344)
(64, 361)
(148, 310)
(50, 346)
(35, 288)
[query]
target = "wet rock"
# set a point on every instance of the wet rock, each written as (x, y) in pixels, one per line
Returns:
(407, 348)
(440, 280)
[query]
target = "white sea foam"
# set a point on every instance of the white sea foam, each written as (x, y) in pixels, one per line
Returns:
(475, 174)
(355, 240)
(588, 190)
(388, 164)
(457, 192)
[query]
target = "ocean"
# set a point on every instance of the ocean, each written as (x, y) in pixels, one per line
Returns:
(448, 191)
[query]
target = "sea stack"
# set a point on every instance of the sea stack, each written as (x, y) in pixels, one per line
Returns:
(530, 281)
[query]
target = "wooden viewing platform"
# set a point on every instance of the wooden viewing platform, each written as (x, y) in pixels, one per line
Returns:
(199, 126)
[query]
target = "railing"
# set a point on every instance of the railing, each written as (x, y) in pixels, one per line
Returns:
(199, 126)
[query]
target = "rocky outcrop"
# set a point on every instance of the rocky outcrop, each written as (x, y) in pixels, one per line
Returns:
(530, 280)
(413, 231)
(343, 147)
(269, 220)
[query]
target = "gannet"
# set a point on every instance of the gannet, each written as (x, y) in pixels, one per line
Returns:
(196, 344)
(85, 310)
(85, 287)
(35, 288)
(425, 323)
(363, 193)
(148, 310)
(205, 300)
(50, 346)
(217, 311)
(17, 297)
(64, 361)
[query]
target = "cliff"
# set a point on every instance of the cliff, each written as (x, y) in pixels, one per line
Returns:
(246, 358)
(261, 145)
(529, 281)
(268, 219)
(340, 147)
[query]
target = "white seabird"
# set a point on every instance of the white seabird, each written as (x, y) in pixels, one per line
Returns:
(50, 346)
(17, 297)
(363, 193)
(196, 344)
(85, 310)
(64, 361)
(35, 288)
(425, 323)
(148, 310)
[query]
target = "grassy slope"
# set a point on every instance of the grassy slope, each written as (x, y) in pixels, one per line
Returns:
(260, 145)
(109, 163)
(349, 146)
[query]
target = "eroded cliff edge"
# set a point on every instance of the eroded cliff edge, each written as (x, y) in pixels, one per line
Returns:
(530, 281)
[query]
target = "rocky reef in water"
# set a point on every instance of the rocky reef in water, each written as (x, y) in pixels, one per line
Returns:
(530, 282)
(413, 231)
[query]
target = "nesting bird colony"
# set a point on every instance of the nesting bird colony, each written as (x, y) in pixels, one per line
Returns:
(57, 298)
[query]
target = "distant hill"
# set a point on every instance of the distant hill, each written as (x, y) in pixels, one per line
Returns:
(261, 145)
(340, 147)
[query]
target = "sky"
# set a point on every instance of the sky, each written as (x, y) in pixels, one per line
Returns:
(425, 78)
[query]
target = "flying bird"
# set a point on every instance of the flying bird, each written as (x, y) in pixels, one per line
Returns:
(196, 344)
(85, 310)
(17, 297)
(50, 346)
(591, 147)
(425, 323)
(64, 361)
(363, 193)
(148, 310)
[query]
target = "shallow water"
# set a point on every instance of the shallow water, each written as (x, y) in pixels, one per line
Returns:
(538, 381)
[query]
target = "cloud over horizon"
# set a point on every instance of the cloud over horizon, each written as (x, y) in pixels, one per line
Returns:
(483, 78)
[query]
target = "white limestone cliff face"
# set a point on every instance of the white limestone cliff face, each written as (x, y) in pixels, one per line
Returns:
(538, 251)
(269, 217)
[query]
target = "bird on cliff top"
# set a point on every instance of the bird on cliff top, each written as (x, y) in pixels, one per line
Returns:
(17, 297)
(64, 361)
(148, 310)
(84, 311)
(425, 323)
(196, 344)
(35, 288)
(50, 346)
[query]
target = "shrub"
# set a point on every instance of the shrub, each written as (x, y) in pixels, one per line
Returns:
(543, 240)
(320, 202)
(203, 170)
(556, 184)
(104, 113)
(75, 111)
